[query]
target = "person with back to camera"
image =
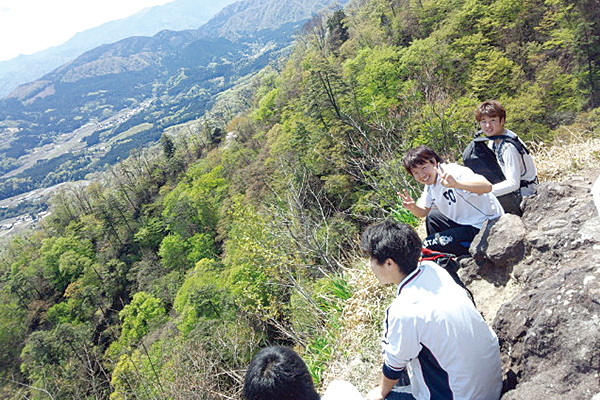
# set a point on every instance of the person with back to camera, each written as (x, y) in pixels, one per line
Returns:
(279, 373)
(517, 166)
(432, 329)
(462, 198)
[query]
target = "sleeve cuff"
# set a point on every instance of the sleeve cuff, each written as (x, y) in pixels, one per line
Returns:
(391, 373)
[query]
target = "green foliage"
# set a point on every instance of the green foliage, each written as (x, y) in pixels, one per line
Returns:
(404, 216)
(139, 317)
(12, 333)
(202, 296)
(317, 354)
(252, 264)
(191, 212)
(137, 374)
(494, 74)
(267, 111)
(151, 234)
(330, 294)
(181, 213)
(59, 313)
(560, 91)
(82, 300)
(179, 254)
(57, 361)
(445, 126)
(173, 252)
(376, 75)
(64, 259)
(201, 246)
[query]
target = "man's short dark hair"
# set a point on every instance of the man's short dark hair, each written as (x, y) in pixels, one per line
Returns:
(490, 109)
(278, 372)
(390, 239)
(418, 156)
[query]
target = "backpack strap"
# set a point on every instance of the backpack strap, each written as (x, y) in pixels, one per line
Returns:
(517, 143)
(521, 148)
(505, 138)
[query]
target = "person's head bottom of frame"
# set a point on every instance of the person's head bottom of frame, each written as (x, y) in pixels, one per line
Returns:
(278, 372)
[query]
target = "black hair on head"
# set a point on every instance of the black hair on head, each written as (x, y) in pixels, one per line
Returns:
(278, 372)
(390, 239)
(418, 156)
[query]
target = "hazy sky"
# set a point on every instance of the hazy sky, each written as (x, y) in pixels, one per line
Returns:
(28, 26)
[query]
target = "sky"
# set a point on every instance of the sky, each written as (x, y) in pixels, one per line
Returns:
(28, 26)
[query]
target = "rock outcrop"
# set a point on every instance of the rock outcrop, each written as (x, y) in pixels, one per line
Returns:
(537, 278)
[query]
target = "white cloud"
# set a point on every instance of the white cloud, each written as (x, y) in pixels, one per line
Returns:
(28, 26)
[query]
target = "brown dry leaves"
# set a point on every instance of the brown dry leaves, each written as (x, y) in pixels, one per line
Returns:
(356, 357)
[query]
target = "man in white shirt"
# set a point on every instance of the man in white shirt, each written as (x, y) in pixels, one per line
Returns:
(518, 167)
(462, 198)
(432, 329)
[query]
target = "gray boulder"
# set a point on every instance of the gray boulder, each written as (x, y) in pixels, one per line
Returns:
(508, 246)
(545, 269)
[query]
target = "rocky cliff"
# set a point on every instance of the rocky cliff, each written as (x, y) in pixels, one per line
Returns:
(538, 279)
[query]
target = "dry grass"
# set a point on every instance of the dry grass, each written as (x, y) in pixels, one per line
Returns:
(357, 356)
(572, 151)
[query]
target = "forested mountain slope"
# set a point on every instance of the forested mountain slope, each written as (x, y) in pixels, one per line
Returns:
(94, 110)
(164, 276)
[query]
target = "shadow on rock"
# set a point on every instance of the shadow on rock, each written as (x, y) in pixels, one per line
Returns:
(548, 314)
(499, 245)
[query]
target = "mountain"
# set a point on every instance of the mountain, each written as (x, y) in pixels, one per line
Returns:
(94, 110)
(245, 17)
(176, 15)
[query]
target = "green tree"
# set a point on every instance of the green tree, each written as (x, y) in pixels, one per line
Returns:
(138, 374)
(376, 76)
(64, 362)
(13, 331)
(203, 296)
(174, 253)
(494, 74)
(64, 258)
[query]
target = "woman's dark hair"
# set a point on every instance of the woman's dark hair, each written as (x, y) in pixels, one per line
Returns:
(278, 372)
(418, 156)
(390, 239)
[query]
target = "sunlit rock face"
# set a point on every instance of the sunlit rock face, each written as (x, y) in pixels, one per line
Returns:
(537, 280)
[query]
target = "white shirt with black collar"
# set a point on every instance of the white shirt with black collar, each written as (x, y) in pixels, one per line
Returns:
(434, 331)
